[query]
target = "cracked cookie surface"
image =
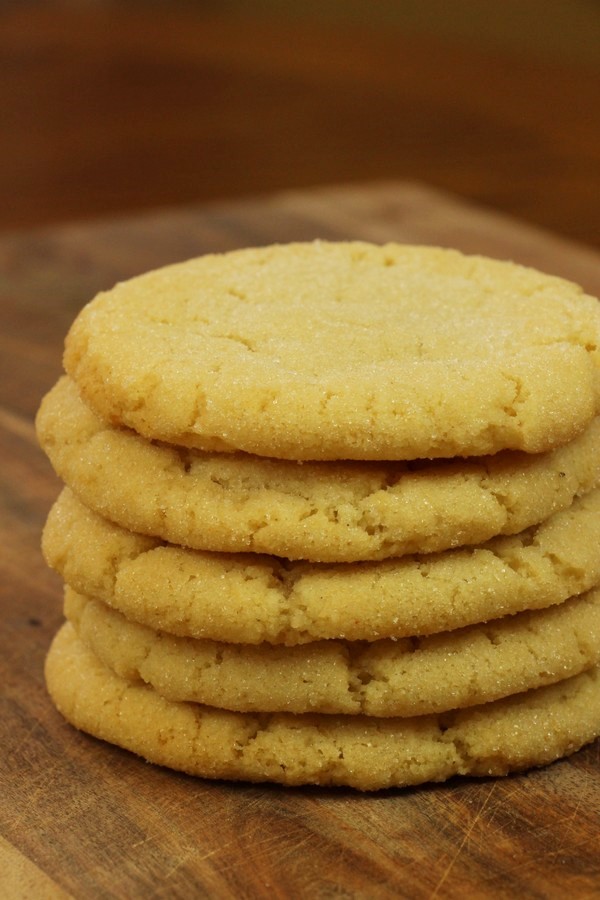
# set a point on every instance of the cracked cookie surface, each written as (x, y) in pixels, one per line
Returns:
(518, 732)
(325, 512)
(408, 677)
(343, 351)
(247, 598)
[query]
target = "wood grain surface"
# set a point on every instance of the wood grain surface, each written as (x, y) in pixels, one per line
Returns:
(83, 819)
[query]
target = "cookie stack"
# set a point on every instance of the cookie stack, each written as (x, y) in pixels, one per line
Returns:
(330, 516)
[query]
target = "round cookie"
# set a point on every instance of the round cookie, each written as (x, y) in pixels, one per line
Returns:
(343, 351)
(409, 677)
(246, 598)
(518, 732)
(325, 512)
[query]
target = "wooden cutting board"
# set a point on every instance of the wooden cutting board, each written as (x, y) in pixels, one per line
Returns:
(81, 818)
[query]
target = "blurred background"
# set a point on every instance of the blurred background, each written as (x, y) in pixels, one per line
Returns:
(109, 108)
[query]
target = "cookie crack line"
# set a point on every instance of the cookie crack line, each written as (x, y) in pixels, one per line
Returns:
(511, 409)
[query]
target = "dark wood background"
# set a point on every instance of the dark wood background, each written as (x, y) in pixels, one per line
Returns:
(118, 106)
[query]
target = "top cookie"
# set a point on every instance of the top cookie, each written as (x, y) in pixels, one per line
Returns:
(343, 351)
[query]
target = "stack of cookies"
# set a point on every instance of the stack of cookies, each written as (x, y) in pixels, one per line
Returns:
(330, 516)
